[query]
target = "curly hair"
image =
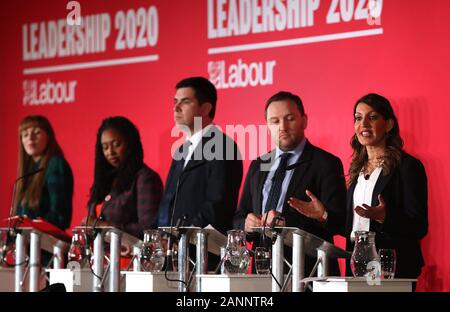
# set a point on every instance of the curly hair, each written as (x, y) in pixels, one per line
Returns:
(394, 142)
(104, 173)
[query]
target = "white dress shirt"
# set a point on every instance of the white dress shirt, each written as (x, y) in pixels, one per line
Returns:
(195, 140)
(296, 153)
(363, 195)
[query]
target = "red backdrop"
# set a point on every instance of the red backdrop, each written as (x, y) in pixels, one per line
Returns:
(326, 51)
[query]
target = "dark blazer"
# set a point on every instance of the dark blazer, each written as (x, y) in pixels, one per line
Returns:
(405, 192)
(135, 209)
(316, 170)
(208, 187)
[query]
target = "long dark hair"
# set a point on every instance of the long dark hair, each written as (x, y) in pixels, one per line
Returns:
(104, 173)
(394, 142)
(29, 190)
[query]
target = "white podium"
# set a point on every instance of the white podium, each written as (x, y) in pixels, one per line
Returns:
(78, 280)
(206, 240)
(235, 283)
(149, 282)
(302, 243)
(7, 276)
(31, 237)
(357, 284)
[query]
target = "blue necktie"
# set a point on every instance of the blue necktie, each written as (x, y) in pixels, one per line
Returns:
(277, 182)
(172, 182)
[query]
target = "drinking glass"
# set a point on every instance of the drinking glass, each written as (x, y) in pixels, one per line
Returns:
(388, 262)
(79, 248)
(262, 260)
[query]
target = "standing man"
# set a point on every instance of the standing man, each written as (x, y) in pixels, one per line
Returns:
(299, 174)
(203, 183)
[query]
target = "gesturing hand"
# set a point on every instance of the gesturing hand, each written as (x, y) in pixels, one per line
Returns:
(377, 213)
(313, 209)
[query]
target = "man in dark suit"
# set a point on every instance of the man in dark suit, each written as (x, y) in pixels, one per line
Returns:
(203, 183)
(288, 181)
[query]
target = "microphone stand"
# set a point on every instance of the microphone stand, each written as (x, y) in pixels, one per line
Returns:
(100, 217)
(10, 234)
(179, 223)
(169, 254)
(95, 232)
(272, 229)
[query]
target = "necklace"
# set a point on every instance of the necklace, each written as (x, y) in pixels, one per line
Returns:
(371, 165)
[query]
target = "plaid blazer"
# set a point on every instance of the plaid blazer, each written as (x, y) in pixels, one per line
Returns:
(135, 209)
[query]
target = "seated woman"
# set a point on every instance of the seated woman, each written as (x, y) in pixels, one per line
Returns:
(126, 192)
(46, 189)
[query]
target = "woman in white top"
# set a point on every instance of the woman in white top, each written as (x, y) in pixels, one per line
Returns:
(387, 189)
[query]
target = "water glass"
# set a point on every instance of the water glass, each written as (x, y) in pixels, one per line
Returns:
(79, 249)
(388, 263)
(262, 260)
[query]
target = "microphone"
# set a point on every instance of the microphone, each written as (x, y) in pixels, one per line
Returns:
(181, 220)
(9, 234)
(12, 208)
(272, 225)
(107, 199)
(179, 223)
(29, 174)
(94, 234)
(272, 228)
(100, 216)
(177, 187)
(274, 222)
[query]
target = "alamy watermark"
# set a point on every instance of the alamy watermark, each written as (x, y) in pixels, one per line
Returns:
(253, 141)
(74, 16)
